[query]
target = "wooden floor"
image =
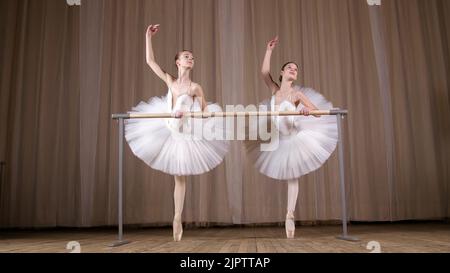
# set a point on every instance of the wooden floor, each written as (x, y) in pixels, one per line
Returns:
(411, 237)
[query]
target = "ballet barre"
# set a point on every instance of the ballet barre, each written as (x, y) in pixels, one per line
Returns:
(339, 113)
(228, 114)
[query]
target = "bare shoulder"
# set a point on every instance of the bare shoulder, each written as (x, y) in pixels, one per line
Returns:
(196, 88)
(299, 96)
(299, 93)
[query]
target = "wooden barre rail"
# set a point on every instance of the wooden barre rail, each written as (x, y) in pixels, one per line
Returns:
(228, 114)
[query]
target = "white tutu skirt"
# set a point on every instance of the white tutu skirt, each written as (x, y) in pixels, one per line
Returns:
(163, 147)
(300, 149)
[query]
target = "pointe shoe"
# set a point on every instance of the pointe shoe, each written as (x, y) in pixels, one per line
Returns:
(290, 225)
(177, 229)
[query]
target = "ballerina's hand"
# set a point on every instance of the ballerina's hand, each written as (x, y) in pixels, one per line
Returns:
(205, 114)
(272, 43)
(152, 30)
(179, 114)
(305, 111)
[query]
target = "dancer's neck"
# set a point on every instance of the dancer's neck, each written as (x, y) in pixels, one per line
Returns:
(184, 75)
(286, 86)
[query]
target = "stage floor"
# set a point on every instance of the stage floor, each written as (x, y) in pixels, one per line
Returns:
(395, 237)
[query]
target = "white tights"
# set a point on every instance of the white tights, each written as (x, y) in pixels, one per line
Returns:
(292, 194)
(178, 196)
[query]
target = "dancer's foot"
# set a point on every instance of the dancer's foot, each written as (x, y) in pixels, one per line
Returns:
(290, 225)
(177, 228)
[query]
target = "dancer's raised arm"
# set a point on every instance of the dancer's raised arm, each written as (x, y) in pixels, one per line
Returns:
(150, 57)
(265, 70)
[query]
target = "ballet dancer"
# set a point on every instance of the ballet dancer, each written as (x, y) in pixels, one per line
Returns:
(171, 145)
(305, 141)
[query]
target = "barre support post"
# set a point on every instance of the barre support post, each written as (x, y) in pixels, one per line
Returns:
(120, 241)
(344, 235)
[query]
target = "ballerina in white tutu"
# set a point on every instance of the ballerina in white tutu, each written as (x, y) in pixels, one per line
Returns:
(174, 145)
(304, 142)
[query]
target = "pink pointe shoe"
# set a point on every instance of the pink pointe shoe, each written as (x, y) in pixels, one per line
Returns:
(177, 229)
(290, 225)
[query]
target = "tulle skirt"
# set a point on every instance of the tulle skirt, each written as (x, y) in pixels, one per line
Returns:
(161, 146)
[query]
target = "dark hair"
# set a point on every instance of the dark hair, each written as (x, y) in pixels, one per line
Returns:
(282, 68)
(179, 53)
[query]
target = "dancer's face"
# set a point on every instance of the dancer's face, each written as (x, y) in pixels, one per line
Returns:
(289, 72)
(185, 60)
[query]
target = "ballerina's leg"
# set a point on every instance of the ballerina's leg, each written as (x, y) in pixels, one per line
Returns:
(178, 197)
(292, 201)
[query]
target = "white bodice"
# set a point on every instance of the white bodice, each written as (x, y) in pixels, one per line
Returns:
(184, 103)
(286, 125)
